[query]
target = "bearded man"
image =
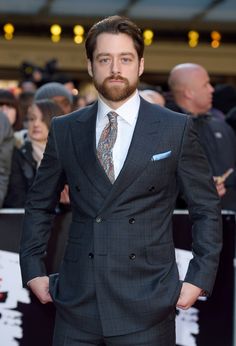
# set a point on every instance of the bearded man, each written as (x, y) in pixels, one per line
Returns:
(124, 160)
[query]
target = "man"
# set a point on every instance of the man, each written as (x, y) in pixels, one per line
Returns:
(192, 92)
(153, 96)
(58, 93)
(118, 283)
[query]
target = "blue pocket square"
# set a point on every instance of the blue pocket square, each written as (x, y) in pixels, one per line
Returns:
(161, 156)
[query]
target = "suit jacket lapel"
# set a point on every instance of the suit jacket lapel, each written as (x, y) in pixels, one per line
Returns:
(84, 140)
(145, 143)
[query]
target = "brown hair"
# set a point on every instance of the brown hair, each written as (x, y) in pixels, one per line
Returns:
(8, 98)
(49, 109)
(114, 25)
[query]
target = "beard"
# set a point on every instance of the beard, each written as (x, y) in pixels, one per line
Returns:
(116, 93)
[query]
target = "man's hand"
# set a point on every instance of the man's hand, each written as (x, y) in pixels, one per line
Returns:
(220, 182)
(188, 295)
(65, 199)
(220, 187)
(40, 287)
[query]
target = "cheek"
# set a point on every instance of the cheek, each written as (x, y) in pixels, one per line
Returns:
(11, 115)
(67, 108)
(98, 76)
(133, 72)
(100, 73)
(30, 130)
(45, 131)
(132, 75)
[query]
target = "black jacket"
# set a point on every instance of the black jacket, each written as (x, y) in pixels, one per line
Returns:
(22, 176)
(6, 149)
(219, 143)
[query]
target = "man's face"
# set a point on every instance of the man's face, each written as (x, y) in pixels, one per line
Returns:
(115, 67)
(64, 103)
(201, 91)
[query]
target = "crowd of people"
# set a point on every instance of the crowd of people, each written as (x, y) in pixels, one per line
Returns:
(25, 122)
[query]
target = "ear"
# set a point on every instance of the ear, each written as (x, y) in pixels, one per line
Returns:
(89, 67)
(188, 93)
(141, 67)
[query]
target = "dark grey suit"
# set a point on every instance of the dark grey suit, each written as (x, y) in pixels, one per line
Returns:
(119, 272)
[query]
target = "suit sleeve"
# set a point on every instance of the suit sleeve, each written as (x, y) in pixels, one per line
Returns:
(196, 184)
(39, 212)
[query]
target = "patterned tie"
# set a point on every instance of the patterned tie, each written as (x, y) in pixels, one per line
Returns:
(105, 145)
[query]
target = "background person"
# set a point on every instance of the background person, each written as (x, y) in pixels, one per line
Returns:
(27, 158)
(9, 121)
(153, 96)
(6, 149)
(193, 93)
(58, 93)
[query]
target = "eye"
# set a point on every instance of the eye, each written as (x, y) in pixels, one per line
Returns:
(126, 60)
(104, 61)
(31, 118)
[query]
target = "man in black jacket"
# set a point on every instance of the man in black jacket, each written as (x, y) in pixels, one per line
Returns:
(192, 92)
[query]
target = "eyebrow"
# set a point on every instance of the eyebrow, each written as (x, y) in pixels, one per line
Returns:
(108, 54)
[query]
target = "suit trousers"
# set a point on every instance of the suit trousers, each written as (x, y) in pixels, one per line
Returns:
(161, 334)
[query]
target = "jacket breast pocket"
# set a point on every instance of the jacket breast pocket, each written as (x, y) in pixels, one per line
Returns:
(160, 254)
(162, 171)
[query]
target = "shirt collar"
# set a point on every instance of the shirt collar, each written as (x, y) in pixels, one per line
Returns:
(128, 111)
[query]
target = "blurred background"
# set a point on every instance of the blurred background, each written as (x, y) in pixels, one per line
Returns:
(43, 73)
(43, 40)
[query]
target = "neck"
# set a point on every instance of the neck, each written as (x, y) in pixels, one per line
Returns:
(188, 108)
(116, 104)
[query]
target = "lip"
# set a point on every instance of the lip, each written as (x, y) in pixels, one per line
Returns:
(116, 81)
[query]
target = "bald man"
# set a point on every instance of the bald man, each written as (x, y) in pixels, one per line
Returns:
(193, 93)
(153, 96)
(191, 88)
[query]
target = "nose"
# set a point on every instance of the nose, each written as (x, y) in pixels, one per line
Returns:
(115, 66)
(36, 122)
(211, 88)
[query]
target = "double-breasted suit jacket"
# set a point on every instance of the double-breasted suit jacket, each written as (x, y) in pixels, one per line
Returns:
(119, 272)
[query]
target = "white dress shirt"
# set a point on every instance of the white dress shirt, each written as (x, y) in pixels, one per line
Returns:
(126, 120)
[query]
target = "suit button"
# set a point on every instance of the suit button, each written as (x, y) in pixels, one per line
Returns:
(98, 219)
(132, 256)
(132, 220)
(91, 255)
(151, 188)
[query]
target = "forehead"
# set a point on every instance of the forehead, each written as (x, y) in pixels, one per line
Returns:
(108, 43)
(34, 110)
(201, 74)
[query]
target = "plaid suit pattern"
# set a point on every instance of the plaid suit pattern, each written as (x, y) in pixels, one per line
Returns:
(120, 241)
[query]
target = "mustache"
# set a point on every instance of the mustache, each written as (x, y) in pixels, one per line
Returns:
(115, 77)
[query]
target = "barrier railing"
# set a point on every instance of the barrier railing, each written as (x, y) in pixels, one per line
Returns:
(26, 322)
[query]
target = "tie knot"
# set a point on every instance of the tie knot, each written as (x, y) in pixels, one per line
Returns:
(112, 116)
